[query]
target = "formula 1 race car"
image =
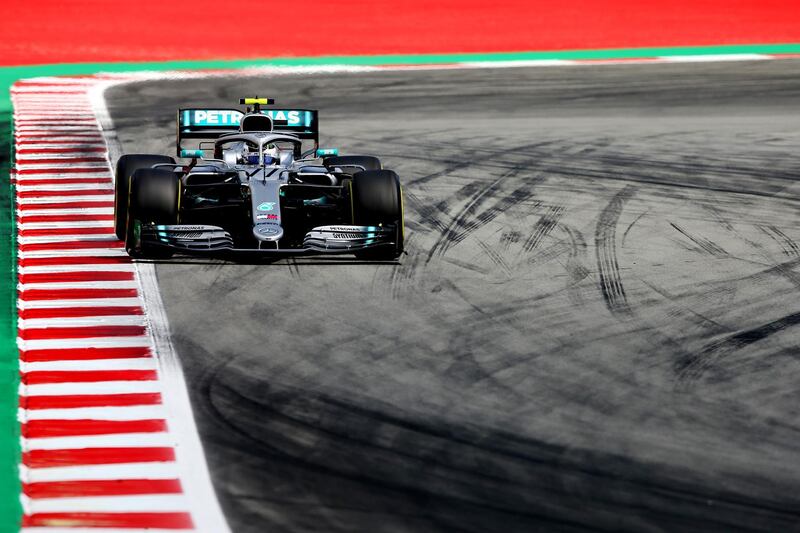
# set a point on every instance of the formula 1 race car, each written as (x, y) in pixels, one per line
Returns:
(262, 190)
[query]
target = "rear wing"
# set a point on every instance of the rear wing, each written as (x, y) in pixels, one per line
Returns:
(211, 124)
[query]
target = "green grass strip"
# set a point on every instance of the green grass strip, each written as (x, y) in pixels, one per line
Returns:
(10, 74)
(10, 510)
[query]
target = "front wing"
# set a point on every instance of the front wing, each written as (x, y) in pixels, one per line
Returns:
(203, 239)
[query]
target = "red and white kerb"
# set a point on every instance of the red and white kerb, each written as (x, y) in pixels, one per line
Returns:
(98, 453)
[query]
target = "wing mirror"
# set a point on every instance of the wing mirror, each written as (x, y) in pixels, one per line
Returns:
(192, 153)
(327, 152)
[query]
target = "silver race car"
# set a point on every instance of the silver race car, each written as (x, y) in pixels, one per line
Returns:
(256, 181)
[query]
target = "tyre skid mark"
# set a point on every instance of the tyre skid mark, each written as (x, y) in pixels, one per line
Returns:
(428, 215)
(492, 159)
(543, 227)
(496, 258)
(693, 367)
(788, 246)
(434, 213)
(712, 326)
(509, 238)
(403, 272)
(442, 243)
(517, 196)
(704, 244)
(574, 265)
(611, 285)
(461, 226)
(632, 224)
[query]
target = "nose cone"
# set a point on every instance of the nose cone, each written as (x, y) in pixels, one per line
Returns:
(268, 232)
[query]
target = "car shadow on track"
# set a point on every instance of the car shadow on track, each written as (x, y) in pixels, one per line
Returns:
(265, 262)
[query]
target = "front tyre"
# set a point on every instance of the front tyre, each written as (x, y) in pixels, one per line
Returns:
(377, 200)
(126, 166)
(153, 199)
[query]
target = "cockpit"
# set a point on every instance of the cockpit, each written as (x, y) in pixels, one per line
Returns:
(243, 150)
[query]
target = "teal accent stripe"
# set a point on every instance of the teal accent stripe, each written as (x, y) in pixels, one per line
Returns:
(10, 74)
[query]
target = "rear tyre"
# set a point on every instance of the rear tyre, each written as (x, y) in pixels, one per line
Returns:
(378, 201)
(126, 166)
(352, 164)
(152, 199)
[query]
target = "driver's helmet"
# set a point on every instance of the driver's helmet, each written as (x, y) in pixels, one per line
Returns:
(248, 156)
(271, 155)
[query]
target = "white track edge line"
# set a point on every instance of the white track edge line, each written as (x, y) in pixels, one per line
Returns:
(195, 476)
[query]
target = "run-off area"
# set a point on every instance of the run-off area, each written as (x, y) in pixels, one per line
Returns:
(595, 325)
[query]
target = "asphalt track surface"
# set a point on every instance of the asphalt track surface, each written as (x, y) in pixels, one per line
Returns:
(595, 327)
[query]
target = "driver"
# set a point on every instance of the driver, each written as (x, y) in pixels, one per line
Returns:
(249, 155)
(272, 156)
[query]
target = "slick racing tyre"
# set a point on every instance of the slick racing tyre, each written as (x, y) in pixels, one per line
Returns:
(378, 201)
(152, 199)
(126, 166)
(352, 164)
